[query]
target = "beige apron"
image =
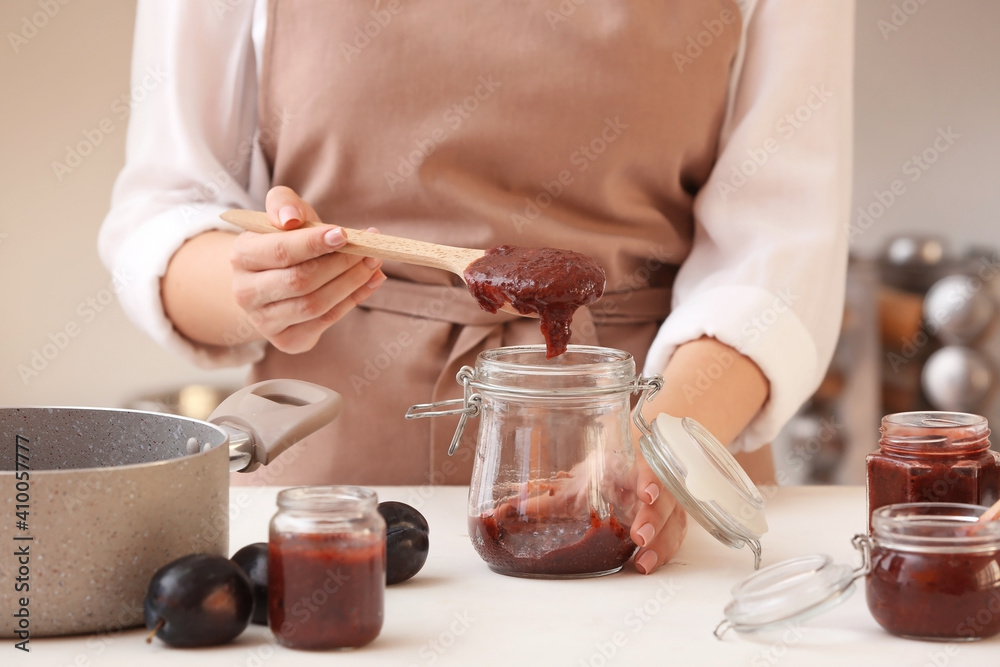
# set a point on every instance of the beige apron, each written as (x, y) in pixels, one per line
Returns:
(582, 125)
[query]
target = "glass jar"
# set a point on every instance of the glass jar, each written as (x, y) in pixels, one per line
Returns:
(931, 572)
(326, 567)
(932, 457)
(935, 572)
(553, 484)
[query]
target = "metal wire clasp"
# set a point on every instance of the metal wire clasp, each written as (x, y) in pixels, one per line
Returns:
(471, 405)
(863, 543)
(648, 386)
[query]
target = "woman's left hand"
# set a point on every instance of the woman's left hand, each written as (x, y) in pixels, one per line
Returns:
(660, 524)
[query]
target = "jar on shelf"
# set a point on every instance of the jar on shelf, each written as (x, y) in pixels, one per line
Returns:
(932, 457)
(931, 572)
(553, 485)
(326, 567)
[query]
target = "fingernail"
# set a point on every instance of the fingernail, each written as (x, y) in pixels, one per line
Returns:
(653, 491)
(372, 262)
(287, 214)
(646, 562)
(334, 238)
(375, 280)
(645, 532)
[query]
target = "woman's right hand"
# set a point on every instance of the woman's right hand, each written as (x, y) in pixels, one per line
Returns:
(294, 285)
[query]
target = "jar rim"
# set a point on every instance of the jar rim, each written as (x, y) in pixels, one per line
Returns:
(567, 363)
(582, 370)
(326, 498)
(935, 432)
(935, 527)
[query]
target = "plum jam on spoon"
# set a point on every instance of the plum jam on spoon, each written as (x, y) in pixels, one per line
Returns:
(548, 282)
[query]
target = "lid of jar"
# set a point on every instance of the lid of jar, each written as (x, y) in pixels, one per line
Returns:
(706, 480)
(795, 589)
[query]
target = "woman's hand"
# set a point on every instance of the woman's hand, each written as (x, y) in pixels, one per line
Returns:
(660, 525)
(294, 285)
(724, 408)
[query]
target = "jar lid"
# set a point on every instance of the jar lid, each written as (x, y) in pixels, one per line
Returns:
(706, 480)
(795, 589)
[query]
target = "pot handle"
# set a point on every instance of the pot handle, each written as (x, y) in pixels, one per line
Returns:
(274, 414)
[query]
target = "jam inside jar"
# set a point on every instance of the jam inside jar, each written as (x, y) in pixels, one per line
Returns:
(935, 572)
(932, 457)
(326, 568)
(553, 486)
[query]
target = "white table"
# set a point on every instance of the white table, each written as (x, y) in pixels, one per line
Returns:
(458, 612)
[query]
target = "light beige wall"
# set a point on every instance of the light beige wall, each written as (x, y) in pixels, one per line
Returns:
(64, 81)
(940, 69)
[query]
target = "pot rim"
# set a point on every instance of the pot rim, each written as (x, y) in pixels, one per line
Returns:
(118, 411)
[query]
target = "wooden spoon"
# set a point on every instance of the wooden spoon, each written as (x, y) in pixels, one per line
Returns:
(380, 246)
(991, 514)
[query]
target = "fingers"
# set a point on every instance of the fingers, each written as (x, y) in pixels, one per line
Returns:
(303, 337)
(285, 298)
(263, 252)
(286, 209)
(664, 543)
(294, 285)
(659, 526)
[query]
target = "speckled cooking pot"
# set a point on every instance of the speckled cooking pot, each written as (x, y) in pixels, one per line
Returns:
(93, 501)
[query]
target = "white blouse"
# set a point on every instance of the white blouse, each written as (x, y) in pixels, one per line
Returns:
(766, 273)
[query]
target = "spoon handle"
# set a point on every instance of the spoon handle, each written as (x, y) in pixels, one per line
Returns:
(992, 513)
(371, 244)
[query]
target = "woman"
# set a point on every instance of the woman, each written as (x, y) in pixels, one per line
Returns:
(699, 151)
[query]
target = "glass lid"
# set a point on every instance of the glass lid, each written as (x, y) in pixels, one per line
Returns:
(705, 479)
(794, 589)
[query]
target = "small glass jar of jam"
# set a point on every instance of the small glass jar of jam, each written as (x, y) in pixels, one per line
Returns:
(931, 571)
(326, 568)
(932, 457)
(935, 572)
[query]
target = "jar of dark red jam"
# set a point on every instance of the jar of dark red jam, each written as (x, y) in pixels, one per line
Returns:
(931, 572)
(932, 457)
(553, 486)
(326, 568)
(935, 572)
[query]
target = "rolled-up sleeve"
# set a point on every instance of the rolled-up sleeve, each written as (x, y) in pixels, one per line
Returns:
(767, 270)
(191, 153)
